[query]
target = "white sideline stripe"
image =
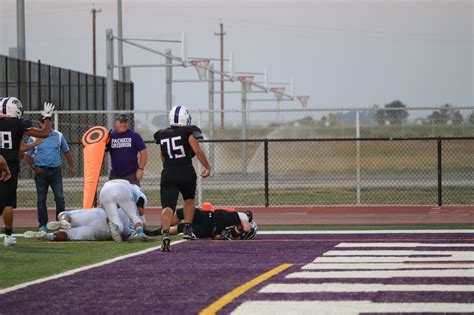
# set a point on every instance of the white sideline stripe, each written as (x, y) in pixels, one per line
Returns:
(73, 271)
(375, 253)
(371, 266)
(380, 274)
(346, 307)
(361, 287)
(382, 244)
(372, 259)
(369, 232)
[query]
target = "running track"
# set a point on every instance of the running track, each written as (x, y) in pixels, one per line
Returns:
(198, 273)
(322, 215)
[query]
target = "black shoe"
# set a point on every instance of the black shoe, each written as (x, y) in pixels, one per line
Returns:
(165, 246)
(188, 232)
(155, 232)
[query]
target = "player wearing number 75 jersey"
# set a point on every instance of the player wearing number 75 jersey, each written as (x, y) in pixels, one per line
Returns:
(179, 144)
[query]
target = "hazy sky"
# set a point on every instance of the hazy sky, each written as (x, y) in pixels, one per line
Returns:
(340, 53)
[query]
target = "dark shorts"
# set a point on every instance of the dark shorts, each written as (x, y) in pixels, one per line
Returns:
(175, 180)
(8, 189)
(203, 223)
(132, 178)
(224, 218)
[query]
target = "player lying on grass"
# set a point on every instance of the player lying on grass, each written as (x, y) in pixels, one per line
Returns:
(83, 225)
(224, 224)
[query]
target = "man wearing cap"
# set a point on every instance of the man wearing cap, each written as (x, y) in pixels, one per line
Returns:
(125, 146)
(45, 159)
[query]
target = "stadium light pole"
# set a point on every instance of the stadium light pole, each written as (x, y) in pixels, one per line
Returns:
(94, 11)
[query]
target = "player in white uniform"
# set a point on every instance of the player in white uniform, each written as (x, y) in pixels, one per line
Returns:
(120, 193)
(82, 225)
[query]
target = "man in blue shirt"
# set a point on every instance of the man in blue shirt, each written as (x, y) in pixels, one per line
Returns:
(45, 159)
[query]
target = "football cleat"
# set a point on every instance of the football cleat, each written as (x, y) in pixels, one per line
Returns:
(56, 225)
(114, 232)
(166, 244)
(38, 235)
(188, 232)
(9, 240)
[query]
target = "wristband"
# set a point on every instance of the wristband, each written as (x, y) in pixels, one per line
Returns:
(141, 168)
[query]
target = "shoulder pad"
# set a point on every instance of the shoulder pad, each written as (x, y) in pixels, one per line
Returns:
(196, 132)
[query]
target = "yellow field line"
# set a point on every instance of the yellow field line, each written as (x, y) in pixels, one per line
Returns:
(232, 295)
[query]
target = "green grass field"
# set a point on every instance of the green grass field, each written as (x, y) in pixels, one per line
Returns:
(34, 259)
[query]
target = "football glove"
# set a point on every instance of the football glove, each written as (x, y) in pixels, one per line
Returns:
(47, 112)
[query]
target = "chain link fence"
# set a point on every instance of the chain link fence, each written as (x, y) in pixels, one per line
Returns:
(282, 164)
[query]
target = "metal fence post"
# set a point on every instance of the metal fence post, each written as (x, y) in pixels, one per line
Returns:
(265, 162)
(110, 77)
(211, 114)
(244, 125)
(440, 173)
(358, 156)
(169, 81)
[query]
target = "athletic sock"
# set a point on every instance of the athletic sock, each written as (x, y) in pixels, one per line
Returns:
(8, 231)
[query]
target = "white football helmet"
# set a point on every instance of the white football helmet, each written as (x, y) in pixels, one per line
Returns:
(179, 116)
(11, 106)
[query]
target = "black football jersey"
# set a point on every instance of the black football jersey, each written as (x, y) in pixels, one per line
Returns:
(174, 144)
(11, 135)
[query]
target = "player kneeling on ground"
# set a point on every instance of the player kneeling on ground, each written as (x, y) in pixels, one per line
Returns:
(120, 193)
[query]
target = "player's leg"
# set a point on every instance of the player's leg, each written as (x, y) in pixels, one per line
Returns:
(188, 218)
(169, 197)
(108, 198)
(42, 185)
(130, 208)
(187, 187)
(56, 182)
(7, 204)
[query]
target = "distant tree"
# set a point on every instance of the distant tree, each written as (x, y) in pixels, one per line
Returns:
(332, 119)
(308, 120)
(323, 120)
(380, 117)
(446, 113)
(394, 112)
(471, 118)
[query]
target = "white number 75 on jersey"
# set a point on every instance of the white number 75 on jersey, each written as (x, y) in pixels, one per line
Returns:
(174, 151)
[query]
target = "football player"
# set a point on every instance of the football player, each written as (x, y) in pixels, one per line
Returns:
(12, 129)
(179, 144)
(82, 225)
(216, 224)
(120, 193)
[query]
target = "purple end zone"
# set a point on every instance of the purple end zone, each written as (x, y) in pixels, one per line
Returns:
(194, 275)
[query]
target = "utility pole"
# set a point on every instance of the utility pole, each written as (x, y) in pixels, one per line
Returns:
(94, 11)
(120, 43)
(221, 34)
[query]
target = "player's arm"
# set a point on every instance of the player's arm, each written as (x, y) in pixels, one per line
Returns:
(142, 163)
(5, 171)
(194, 143)
(46, 113)
(24, 147)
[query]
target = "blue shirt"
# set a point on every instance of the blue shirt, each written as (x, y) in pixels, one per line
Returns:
(48, 153)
